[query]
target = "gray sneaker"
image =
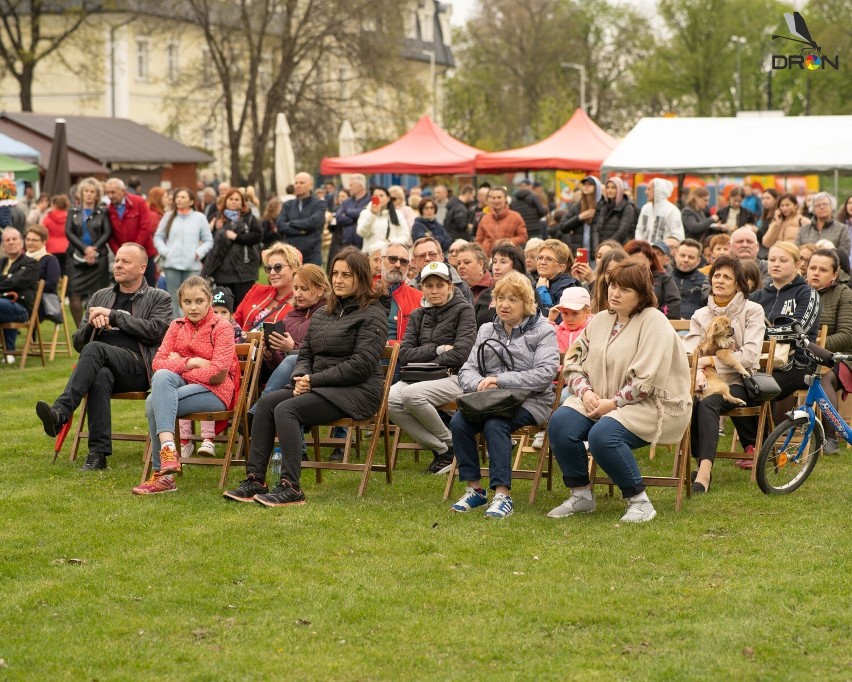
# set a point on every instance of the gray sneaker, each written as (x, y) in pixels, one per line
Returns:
(831, 447)
(639, 512)
(573, 505)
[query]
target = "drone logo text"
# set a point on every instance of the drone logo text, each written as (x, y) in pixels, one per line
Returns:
(810, 57)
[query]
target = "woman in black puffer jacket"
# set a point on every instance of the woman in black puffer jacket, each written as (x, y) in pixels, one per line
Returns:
(337, 375)
(616, 215)
(442, 331)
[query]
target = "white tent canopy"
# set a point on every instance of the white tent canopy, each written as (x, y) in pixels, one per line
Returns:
(794, 145)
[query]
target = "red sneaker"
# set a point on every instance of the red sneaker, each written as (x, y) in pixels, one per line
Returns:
(158, 483)
(169, 462)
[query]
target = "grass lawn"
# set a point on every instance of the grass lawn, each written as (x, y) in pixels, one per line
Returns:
(737, 586)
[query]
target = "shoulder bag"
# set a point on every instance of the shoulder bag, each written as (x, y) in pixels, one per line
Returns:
(502, 403)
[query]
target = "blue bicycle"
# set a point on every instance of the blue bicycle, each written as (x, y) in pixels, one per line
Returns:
(789, 454)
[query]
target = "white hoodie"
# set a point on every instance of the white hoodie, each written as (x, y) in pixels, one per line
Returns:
(660, 218)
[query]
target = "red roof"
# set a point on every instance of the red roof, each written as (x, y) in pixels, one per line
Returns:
(426, 149)
(578, 145)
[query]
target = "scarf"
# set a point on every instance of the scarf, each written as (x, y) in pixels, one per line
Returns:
(232, 214)
(38, 254)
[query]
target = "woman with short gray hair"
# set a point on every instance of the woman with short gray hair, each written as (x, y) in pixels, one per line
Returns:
(825, 226)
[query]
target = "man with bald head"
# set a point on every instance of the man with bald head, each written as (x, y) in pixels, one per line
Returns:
(745, 247)
(301, 220)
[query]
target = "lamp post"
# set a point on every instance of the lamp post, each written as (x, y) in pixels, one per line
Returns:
(582, 70)
(433, 78)
(739, 41)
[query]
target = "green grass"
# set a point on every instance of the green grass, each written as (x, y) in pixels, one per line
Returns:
(391, 586)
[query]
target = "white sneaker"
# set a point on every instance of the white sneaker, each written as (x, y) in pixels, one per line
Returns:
(538, 441)
(573, 505)
(639, 512)
(207, 448)
(187, 450)
(10, 359)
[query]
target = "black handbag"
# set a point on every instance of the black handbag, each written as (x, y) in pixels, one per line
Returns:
(760, 387)
(504, 403)
(423, 371)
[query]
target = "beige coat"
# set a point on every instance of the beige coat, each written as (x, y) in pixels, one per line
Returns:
(650, 353)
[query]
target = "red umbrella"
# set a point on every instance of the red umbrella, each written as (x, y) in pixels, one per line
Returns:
(60, 438)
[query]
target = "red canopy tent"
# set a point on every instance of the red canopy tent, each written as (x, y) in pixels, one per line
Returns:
(426, 149)
(578, 145)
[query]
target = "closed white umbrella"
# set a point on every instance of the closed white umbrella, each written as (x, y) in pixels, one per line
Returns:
(285, 161)
(347, 146)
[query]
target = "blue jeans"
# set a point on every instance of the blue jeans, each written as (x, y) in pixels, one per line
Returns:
(609, 442)
(12, 312)
(174, 278)
(498, 438)
(280, 377)
(171, 397)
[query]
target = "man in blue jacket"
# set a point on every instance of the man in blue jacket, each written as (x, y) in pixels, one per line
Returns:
(301, 220)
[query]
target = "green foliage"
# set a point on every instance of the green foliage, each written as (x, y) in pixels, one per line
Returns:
(737, 585)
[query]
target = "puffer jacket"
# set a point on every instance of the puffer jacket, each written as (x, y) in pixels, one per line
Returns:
(341, 355)
(615, 221)
(452, 324)
(235, 261)
(835, 304)
(533, 347)
(211, 338)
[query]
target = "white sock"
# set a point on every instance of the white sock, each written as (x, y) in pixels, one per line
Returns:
(641, 497)
(585, 493)
(168, 444)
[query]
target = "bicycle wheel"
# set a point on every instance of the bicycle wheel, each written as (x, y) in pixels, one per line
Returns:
(778, 472)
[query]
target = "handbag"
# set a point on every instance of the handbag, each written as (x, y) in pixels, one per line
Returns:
(503, 403)
(760, 387)
(782, 357)
(52, 307)
(423, 371)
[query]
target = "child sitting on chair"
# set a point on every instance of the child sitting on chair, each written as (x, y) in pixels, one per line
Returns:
(575, 306)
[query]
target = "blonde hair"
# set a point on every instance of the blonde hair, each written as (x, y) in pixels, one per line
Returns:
(291, 255)
(518, 284)
(533, 244)
(560, 250)
(94, 184)
(314, 276)
(789, 248)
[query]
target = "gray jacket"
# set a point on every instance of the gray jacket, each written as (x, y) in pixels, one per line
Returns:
(533, 347)
(149, 321)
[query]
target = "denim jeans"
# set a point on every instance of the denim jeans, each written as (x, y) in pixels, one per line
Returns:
(610, 443)
(280, 377)
(12, 312)
(174, 278)
(498, 439)
(172, 397)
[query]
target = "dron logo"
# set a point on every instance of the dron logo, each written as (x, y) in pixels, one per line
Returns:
(809, 57)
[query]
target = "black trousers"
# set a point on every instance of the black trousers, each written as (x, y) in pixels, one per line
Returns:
(285, 414)
(705, 424)
(101, 371)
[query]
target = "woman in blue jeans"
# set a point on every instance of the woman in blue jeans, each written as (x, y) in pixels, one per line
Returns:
(530, 342)
(629, 381)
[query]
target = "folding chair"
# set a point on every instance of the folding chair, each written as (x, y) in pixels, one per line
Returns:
(80, 434)
(682, 457)
(524, 435)
(31, 327)
(378, 423)
(680, 326)
(238, 431)
(57, 343)
(399, 445)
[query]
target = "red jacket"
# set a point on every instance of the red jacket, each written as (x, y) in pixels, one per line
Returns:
(507, 225)
(135, 226)
(55, 221)
(212, 338)
(408, 299)
(259, 299)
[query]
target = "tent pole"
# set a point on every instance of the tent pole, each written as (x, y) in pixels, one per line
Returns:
(836, 184)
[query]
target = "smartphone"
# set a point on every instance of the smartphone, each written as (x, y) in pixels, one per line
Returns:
(269, 327)
(582, 256)
(376, 201)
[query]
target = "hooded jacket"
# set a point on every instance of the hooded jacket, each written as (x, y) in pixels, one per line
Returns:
(374, 228)
(660, 218)
(576, 233)
(796, 300)
(431, 327)
(615, 219)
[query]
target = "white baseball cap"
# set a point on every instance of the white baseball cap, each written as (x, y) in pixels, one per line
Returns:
(437, 269)
(575, 298)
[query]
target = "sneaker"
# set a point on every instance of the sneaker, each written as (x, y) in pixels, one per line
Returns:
(282, 495)
(573, 505)
(500, 508)
(95, 461)
(639, 512)
(336, 455)
(440, 462)
(158, 483)
(746, 463)
(187, 449)
(831, 446)
(246, 490)
(169, 462)
(470, 500)
(207, 448)
(50, 417)
(10, 359)
(538, 441)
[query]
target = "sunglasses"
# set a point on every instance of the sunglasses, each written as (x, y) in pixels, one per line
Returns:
(393, 260)
(277, 268)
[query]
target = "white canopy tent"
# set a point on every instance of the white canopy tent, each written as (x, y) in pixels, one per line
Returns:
(726, 146)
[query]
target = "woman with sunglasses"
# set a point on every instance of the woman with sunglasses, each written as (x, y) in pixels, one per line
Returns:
(270, 302)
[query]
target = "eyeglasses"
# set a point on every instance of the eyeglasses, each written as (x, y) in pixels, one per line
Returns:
(546, 259)
(431, 255)
(393, 260)
(277, 268)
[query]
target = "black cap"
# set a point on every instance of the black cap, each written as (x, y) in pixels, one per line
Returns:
(222, 297)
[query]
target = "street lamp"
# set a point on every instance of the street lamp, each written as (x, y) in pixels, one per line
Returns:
(432, 76)
(739, 41)
(582, 70)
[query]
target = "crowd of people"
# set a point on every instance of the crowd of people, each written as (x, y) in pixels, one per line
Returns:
(485, 296)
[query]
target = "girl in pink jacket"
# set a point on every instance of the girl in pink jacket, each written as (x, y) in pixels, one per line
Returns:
(575, 307)
(195, 370)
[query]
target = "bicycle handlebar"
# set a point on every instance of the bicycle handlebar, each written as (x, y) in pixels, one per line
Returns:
(823, 357)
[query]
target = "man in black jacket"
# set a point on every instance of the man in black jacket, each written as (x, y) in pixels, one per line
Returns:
(301, 220)
(525, 202)
(689, 280)
(117, 340)
(18, 278)
(459, 218)
(343, 225)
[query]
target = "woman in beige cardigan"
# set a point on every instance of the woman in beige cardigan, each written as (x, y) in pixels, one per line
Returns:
(629, 382)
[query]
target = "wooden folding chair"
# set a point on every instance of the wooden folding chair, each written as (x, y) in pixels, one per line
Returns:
(237, 439)
(80, 434)
(31, 328)
(378, 423)
(682, 457)
(525, 435)
(802, 394)
(63, 345)
(680, 326)
(399, 445)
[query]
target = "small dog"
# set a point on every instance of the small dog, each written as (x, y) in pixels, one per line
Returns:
(718, 343)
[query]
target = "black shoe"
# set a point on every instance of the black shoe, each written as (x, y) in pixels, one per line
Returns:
(95, 461)
(698, 488)
(336, 455)
(446, 417)
(283, 494)
(440, 462)
(246, 491)
(51, 418)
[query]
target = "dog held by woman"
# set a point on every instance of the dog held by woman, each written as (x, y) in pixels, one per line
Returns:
(718, 342)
